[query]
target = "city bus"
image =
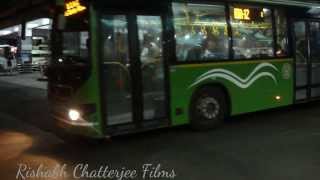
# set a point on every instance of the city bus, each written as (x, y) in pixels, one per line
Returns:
(121, 67)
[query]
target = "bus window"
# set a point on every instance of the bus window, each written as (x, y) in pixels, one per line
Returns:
(76, 39)
(150, 38)
(252, 32)
(116, 69)
(201, 32)
(76, 44)
(115, 39)
(282, 33)
(315, 51)
(301, 53)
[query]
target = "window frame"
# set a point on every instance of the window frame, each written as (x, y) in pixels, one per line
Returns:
(227, 6)
(187, 61)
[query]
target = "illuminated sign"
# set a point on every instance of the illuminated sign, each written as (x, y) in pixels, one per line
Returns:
(251, 14)
(241, 14)
(73, 7)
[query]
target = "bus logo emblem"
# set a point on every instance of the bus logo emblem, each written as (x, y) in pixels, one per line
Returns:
(286, 71)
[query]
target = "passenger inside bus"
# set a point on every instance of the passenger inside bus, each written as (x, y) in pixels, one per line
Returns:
(281, 51)
(150, 51)
(301, 52)
(151, 60)
(213, 48)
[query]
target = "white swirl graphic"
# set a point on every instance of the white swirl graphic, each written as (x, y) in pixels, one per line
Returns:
(235, 79)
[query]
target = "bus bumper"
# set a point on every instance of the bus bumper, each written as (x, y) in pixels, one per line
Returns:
(80, 128)
(86, 130)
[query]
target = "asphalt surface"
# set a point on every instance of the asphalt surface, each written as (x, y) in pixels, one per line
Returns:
(271, 145)
(31, 80)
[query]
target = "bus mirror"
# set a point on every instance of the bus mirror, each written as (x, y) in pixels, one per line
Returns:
(61, 22)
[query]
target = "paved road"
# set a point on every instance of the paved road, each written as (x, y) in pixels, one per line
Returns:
(272, 145)
(28, 80)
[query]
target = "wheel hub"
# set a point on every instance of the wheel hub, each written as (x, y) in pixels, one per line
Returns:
(209, 107)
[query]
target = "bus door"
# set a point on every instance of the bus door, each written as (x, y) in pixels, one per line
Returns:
(307, 59)
(133, 71)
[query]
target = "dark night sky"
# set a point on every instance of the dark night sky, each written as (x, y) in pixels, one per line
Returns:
(12, 3)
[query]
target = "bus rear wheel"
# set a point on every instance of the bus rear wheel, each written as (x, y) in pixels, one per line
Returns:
(208, 108)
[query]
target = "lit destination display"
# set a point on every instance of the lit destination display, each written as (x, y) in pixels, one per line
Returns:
(241, 14)
(74, 7)
(248, 14)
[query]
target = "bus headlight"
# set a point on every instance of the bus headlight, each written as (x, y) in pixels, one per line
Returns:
(74, 115)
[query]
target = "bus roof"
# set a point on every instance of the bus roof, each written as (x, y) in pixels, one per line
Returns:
(300, 3)
(297, 3)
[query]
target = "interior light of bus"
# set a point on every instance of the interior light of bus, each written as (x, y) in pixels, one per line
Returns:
(265, 10)
(187, 37)
(73, 7)
(241, 14)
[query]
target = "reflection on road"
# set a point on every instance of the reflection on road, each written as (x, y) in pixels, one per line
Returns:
(19, 161)
(13, 144)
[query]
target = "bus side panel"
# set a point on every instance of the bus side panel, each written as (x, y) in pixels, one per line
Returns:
(251, 85)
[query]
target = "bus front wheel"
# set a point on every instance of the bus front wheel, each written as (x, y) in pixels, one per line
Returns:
(208, 108)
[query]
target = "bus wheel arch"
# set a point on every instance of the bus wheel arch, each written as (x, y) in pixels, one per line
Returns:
(209, 106)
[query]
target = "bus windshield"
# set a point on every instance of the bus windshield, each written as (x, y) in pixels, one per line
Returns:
(75, 39)
(75, 44)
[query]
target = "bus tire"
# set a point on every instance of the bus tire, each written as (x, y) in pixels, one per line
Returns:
(208, 108)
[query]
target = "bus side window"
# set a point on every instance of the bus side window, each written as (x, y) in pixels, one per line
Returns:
(282, 33)
(201, 32)
(252, 32)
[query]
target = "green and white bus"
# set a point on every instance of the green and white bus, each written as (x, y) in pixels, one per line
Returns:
(121, 66)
